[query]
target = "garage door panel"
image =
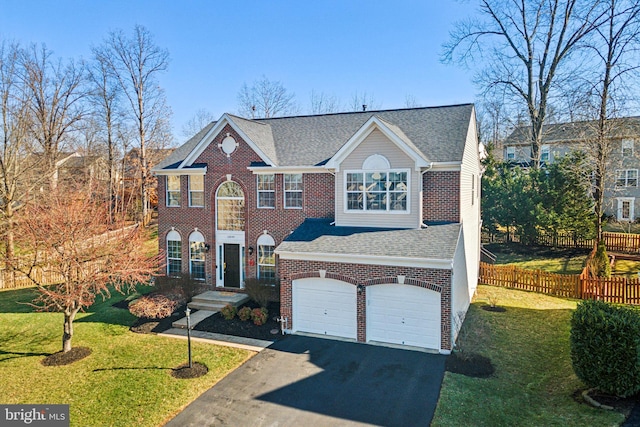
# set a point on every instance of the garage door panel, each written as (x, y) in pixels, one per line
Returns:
(324, 306)
(402, 314)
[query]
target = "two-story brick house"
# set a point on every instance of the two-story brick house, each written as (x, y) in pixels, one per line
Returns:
(622, 192)
(369, 220)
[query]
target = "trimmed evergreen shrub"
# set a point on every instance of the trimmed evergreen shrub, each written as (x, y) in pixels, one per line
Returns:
(605, 347)
(244, 313)
(600, 263)
(229, 311)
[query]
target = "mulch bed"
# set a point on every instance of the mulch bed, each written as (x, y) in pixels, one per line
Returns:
(247, 329)
(469, 364)
(60, 358)
(149, 326)
(185, 372)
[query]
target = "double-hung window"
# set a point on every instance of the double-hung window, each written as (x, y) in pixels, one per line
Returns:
(377, 190)
(293, 191)
(196, 190)
(627, 177)
(627, 147)
(173, 190)
(174, 253)
(511, 153)
(545, 153)
(266, 191)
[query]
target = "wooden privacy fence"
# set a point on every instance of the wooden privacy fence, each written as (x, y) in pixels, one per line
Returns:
(619, 290)
(11, 279)
(615, 242)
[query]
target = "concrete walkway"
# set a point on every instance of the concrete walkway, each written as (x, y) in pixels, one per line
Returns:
(219, 339)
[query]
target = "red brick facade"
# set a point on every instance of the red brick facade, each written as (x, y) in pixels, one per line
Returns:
(368, 275)
(318, 202)
(441, 202)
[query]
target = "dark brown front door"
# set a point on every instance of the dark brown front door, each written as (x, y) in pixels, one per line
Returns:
(231, 265)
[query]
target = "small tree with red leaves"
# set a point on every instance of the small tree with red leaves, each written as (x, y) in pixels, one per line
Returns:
(67, 238)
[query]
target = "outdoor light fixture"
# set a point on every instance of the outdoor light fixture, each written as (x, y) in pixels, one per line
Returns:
(188, 313)
(207, 247)
(360, 288)
(250, 250)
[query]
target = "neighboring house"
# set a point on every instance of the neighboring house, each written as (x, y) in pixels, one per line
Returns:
(70, 168)
(369, 220)
(622, 192)
(131, 174)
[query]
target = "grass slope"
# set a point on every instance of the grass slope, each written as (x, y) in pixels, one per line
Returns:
(125, 381)
(534, 382)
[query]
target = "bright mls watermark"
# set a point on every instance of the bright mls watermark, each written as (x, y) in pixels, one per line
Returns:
(34, 415)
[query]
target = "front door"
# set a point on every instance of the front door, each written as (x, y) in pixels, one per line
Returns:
(231, 265)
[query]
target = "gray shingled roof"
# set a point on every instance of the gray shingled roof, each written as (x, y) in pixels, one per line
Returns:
(439, 133)
(576, 131)
(317, 236)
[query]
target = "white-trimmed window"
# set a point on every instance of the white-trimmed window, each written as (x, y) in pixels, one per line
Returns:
(230, 207)
(511, 153)
(174, 253)
(293, 191)
(627, 177)
(626, 208)
(196, 255)
(196, 191)
(386, 190)
(545, 153)
(266, 258)
(173, 190)
(266, 191)
(627, 147)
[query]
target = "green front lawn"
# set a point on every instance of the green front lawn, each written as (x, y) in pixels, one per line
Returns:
(125, 381)
(533, 383)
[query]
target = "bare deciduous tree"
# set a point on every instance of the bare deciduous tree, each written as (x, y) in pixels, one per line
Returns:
(196, 123)
(55, 93)
(525, 46)
(136, 63)
(322, 103)
(66, 233)
(266, 98)
(364, 101)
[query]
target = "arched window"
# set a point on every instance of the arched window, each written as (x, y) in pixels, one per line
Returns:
(266, 258)
(174, 253)
(377, 187)
(230, 207)
(196, 255)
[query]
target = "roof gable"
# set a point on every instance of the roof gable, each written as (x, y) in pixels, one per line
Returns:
(227, 119)
(393, 133)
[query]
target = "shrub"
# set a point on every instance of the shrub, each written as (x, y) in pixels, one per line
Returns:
(157, 305)
(259, 316)
(229, 311)
(605, 347)
(261, 291)
(600, 263)
(188, 286)
(244, 313)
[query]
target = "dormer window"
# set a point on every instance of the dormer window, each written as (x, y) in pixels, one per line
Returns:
(377, 187)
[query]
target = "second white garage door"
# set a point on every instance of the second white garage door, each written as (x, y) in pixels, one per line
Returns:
(324, 306)
(402, 314)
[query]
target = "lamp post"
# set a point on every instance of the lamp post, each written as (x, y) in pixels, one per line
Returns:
(188, 313)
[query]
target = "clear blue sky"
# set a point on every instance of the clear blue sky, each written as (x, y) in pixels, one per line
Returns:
(388, 49)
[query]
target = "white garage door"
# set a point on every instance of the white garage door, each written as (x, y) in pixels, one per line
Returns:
(324, 306)
(402, 314)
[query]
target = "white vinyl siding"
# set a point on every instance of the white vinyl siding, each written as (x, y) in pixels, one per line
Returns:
(378, 144)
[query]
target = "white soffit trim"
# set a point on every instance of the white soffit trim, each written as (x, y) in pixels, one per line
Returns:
(362, 133)
(213, 132)
(267, 170)
(187, 171)
(446, 166)
(440, 264)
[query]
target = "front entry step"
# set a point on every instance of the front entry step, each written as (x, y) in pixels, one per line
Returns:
(196, 318)
(215, 300)
(208, 304)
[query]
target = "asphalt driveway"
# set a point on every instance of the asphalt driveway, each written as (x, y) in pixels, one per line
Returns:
(319, 382)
